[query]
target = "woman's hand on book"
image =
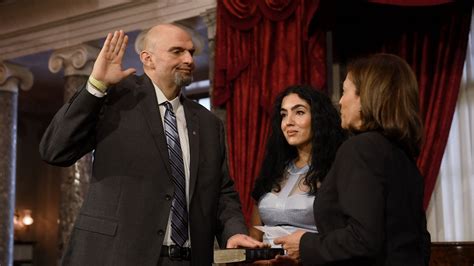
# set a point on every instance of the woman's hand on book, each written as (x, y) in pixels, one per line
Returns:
(290, 243)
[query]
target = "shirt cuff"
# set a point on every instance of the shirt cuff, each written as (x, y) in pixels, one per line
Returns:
(92, 90)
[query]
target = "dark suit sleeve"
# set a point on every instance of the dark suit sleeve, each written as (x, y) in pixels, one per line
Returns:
(360, 195)
(229, 209)
(70, 134)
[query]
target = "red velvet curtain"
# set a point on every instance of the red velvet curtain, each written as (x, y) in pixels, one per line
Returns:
(432, 38)
(262, 46)
(436, 54)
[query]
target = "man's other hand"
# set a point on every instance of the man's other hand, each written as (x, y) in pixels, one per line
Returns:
(240, 240)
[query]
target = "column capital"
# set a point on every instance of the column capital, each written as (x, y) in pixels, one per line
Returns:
(209, 17)
(76, 60)
(14, 77)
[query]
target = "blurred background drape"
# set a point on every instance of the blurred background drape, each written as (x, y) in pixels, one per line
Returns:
(432, 37)
(451, 210)
(434, 44)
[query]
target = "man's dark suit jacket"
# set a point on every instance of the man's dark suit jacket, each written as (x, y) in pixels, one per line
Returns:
(125, 212)
(369, 208)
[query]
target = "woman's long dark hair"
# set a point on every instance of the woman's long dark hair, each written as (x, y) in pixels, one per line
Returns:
(327, 136)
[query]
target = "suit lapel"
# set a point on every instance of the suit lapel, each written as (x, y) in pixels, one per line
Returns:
(152, 115)
(192, 123)
(151, 112)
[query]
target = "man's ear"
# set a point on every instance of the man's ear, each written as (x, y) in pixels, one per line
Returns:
(145, 57)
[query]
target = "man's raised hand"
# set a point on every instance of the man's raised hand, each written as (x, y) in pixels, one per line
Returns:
(108, 66)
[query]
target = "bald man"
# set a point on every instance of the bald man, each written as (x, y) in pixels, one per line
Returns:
(127, 217)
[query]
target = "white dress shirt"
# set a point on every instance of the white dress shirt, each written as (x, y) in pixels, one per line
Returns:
(178, 110)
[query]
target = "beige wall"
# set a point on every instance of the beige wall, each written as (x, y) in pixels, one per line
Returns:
(24, 14)
(32, 26)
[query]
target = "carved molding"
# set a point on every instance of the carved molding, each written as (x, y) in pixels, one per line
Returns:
(95, 25)
(14, 77)
(76, 60)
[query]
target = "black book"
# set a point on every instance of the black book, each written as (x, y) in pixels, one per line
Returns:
(246, 254)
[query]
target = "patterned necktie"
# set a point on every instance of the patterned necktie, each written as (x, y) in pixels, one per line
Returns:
(179, 213)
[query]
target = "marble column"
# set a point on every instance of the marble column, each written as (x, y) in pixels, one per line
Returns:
(77, 63)
(12, 78)
(209, 17)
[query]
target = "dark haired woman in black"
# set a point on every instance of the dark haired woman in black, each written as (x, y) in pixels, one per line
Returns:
(369, 210)
(305, 134)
